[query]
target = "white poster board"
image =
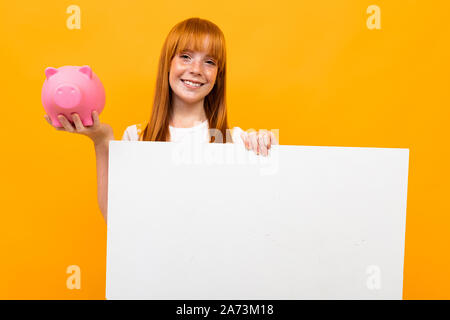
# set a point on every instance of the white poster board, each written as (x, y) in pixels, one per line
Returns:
(303, 223)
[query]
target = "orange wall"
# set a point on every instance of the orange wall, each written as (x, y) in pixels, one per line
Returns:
(310, 68)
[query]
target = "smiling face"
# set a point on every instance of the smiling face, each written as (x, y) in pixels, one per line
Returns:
(192, 75)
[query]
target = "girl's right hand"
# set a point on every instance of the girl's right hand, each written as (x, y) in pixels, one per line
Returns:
(99, 132)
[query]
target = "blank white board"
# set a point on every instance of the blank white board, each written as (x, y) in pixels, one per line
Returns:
(218, 222)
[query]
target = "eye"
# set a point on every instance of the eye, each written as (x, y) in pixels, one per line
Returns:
(184, 56)
(211, 62)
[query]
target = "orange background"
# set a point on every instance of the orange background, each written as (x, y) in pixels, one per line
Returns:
(310, 68)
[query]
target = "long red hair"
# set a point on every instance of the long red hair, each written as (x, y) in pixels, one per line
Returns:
(189, 34)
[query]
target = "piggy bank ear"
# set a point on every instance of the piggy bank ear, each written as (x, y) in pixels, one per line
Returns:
(87, 71)
(50, 71)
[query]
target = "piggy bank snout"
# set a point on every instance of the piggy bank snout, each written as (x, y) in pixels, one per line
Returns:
(67, 95)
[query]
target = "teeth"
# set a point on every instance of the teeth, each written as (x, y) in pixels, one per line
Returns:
(192, 83)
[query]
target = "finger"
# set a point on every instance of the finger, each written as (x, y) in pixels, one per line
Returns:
(267, 140)
(65, 123)
(273, 139)
(262, 144)
(78, 124)
(47, 118)
(95, 118)
(248, 145)
(253, 142)
(244, 138)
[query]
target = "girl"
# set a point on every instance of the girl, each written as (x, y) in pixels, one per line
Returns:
(189, 101)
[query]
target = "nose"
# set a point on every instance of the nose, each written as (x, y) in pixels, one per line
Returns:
(67, 96)
(196, 67)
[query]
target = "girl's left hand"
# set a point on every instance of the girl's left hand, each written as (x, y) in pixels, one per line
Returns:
(260, 142)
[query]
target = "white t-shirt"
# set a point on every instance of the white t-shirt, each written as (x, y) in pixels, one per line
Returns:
(198, 132)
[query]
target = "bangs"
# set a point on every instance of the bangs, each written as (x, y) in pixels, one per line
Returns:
(202, 36)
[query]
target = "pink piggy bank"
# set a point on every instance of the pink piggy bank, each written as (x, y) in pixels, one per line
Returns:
(72, 89)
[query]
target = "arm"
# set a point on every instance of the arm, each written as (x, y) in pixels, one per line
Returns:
(102, 156)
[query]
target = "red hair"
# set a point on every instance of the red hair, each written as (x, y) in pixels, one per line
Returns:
(189, 34)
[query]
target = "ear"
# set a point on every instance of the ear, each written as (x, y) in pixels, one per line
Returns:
(50, 71)
(87, 71)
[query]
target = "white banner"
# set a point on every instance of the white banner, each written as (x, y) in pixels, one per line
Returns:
(215, 221)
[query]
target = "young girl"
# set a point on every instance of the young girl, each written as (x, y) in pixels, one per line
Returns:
(189, 101)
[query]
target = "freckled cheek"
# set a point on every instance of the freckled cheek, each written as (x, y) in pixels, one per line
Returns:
(211, 77)
(177, 70)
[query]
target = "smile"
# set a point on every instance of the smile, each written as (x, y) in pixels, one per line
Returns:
(191, 84)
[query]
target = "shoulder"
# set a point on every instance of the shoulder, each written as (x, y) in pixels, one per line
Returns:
(133, 132)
